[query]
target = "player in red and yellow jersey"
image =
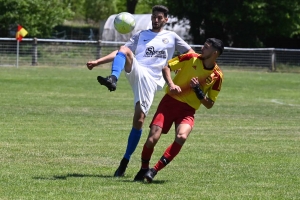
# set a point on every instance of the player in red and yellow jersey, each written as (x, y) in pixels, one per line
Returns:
(198, 81)
(192, 65)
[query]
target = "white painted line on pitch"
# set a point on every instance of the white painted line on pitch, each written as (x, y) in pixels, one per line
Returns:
(282, 103)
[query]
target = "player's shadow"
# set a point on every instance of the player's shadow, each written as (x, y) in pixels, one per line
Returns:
(145, 182)
(74, 175)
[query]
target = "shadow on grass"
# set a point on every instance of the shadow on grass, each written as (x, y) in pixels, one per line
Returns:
(153, 182)
(75, 175)
(64, 177)
(144, 182)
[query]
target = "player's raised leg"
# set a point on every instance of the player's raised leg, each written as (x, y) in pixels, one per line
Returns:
(123, 59)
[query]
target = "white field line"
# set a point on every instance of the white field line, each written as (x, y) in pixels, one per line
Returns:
(282, 103)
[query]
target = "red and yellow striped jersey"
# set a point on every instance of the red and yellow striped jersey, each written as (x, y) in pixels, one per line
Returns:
(191, 65)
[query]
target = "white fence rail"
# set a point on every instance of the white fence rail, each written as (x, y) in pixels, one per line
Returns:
(53, 52)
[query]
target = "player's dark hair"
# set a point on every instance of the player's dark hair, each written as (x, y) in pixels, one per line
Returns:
(217, 44)
(161, 8)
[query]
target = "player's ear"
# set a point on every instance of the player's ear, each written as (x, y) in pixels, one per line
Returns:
(216, 53)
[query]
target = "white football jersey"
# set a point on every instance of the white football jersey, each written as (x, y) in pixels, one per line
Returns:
(152, 50)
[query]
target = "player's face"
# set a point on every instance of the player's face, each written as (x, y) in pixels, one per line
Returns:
(207, 51)
(158, 20)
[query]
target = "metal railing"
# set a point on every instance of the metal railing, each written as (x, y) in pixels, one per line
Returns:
(55, 52)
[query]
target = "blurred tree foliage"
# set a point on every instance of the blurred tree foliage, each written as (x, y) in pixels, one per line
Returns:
(239, 23)
(141, 7)
(97, 10)
(37, 16)
(91, 10)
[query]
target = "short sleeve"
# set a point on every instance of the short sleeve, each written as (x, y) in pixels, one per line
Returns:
(181, 45)
(215, 89)
(133, 41)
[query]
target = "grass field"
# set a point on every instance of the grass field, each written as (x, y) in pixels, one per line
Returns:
(63, 135)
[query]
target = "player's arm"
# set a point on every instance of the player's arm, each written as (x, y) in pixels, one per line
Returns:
(190, 51)
(108, 58)
(166, 71)
(182, 46)
(206, 101)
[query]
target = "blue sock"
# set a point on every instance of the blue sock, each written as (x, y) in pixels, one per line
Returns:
(133, 140)
(118, 64)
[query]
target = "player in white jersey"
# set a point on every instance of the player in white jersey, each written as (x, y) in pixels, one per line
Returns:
(142, 58)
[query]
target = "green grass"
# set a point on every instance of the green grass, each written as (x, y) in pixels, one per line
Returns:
(63, 135)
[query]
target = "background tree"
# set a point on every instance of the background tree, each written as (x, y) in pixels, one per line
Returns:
(239, 23)
(97, 10)
(77, 7)
(130, 6)
(145, 6)
(137, 6)
(38, 17)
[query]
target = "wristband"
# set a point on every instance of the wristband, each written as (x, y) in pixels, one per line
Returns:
(199, 93)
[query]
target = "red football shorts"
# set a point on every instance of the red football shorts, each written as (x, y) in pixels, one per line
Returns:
(171, 110)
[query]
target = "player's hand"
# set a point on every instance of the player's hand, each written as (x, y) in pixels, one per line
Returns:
(194, 82)
(175, 89)
(91, 64)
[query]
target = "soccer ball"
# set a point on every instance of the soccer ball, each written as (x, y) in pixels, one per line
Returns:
(124, 22)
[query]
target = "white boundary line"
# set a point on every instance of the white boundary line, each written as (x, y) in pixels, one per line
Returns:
(282, 103)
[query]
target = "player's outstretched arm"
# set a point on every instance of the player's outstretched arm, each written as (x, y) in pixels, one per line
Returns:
(106, 59)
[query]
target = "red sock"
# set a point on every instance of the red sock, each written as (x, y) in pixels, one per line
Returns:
(168, 156)
(146, 156)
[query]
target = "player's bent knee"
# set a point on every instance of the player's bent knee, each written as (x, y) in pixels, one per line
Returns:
(125, 50)
(181, 138)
